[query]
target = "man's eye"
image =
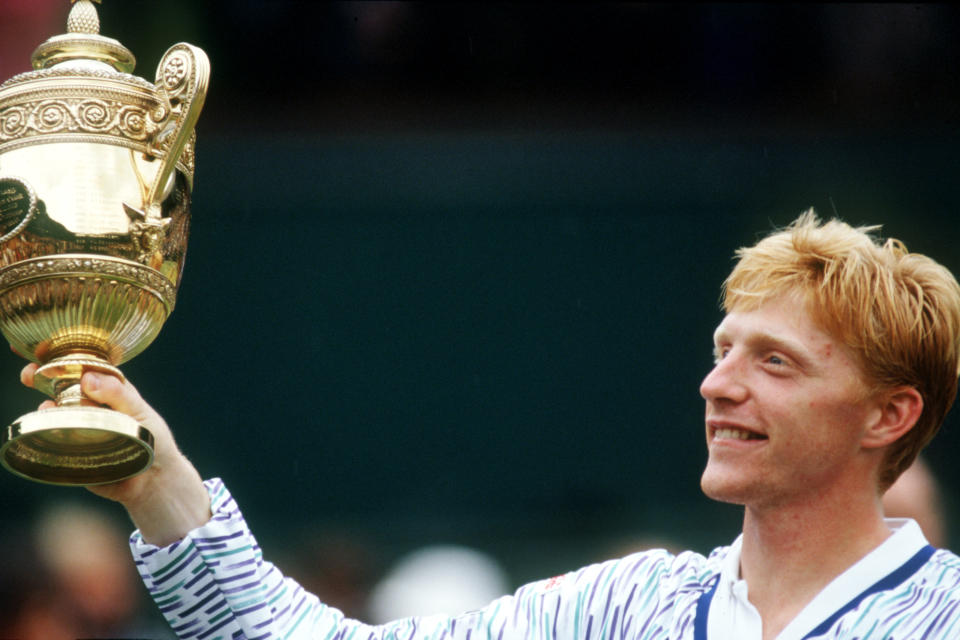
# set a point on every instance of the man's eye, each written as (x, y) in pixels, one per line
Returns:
(720, 353)
(775, 360)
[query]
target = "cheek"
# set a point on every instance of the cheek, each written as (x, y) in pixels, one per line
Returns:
(836, 422)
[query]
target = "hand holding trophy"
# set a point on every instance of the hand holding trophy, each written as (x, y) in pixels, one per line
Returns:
(96, 170)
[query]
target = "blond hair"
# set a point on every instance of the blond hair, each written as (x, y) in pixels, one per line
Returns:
(899, 312)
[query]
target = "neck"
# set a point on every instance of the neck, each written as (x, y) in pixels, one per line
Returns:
(790, 553)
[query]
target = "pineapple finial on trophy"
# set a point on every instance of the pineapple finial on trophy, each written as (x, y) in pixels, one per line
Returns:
(96, 171)
(83, 17)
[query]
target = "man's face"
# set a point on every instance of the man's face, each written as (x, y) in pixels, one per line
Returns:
(786, 407)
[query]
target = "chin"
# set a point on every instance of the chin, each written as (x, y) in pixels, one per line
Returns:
(722, 489)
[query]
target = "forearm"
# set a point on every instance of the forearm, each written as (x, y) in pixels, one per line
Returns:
(167, 500)
(173, 502)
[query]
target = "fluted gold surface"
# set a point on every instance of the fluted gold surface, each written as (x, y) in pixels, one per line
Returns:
(53, 306)
(96, 169)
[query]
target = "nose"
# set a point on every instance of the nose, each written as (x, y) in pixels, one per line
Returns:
(725, 381)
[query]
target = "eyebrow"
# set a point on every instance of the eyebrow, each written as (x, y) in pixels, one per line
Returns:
(765, 340)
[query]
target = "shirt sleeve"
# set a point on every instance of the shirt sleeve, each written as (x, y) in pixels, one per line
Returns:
(215, 584)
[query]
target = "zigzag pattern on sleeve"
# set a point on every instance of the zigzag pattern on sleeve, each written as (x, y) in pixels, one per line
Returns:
(215, 585)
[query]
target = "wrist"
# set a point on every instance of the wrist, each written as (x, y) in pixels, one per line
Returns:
(170, 502)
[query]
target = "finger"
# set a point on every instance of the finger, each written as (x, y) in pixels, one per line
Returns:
(27, 373)
(47, 404)
(110, 391)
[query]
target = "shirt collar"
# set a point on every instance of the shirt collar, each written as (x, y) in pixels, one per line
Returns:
(906, 540)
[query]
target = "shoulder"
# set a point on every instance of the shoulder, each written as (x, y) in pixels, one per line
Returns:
(941, 573)
(935, 586)
(653, 571)
(925, 605)
(654, 589)
(938, 578)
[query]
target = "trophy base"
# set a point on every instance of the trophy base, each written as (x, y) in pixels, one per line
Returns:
(76, 446)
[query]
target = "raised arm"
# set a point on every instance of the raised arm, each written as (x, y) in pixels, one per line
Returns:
(204, 569)
(169, 499)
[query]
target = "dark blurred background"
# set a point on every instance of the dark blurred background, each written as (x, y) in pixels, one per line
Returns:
(454, 268)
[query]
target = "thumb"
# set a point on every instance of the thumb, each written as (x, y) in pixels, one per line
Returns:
(108, 390)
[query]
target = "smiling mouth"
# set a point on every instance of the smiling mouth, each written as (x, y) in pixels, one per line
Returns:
(726, 433)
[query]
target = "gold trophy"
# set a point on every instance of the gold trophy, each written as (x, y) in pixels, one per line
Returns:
(96, 169)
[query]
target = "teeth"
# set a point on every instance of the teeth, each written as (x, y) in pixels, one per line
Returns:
(736, 434)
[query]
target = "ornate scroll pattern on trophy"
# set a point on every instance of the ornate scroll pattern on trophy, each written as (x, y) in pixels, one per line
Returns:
(64, 107)
(93, 234)
(132, 124)
(182, 78)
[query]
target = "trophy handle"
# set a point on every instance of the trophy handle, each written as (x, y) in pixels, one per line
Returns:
(18, 201)
(182, 78)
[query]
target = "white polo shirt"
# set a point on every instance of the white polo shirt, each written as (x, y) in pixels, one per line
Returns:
(215, 585)
(733, 617)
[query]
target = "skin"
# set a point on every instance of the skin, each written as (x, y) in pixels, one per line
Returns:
(168, 500)
(807, 477)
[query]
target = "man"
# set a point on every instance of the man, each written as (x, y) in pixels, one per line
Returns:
(836, 363)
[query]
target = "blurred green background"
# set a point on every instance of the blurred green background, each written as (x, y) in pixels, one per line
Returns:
(454, 268)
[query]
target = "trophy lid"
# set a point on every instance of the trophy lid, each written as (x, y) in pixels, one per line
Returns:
(83, 45)
(82, 92)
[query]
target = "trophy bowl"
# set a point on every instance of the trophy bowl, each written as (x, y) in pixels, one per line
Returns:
(96, 171)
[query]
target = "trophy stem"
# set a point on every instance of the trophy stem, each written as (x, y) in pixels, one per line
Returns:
(75, 443)
(93, 235)
(59, 377)
(70, 396)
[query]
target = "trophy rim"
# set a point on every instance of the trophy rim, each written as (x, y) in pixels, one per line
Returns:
(137, 445)
(88, 276)
(89, 265)
(67, 47)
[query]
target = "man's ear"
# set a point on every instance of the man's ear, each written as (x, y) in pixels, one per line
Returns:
(898, 410)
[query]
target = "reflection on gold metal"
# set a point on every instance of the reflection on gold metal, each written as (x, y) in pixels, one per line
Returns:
(77, 446)
(96, 169)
